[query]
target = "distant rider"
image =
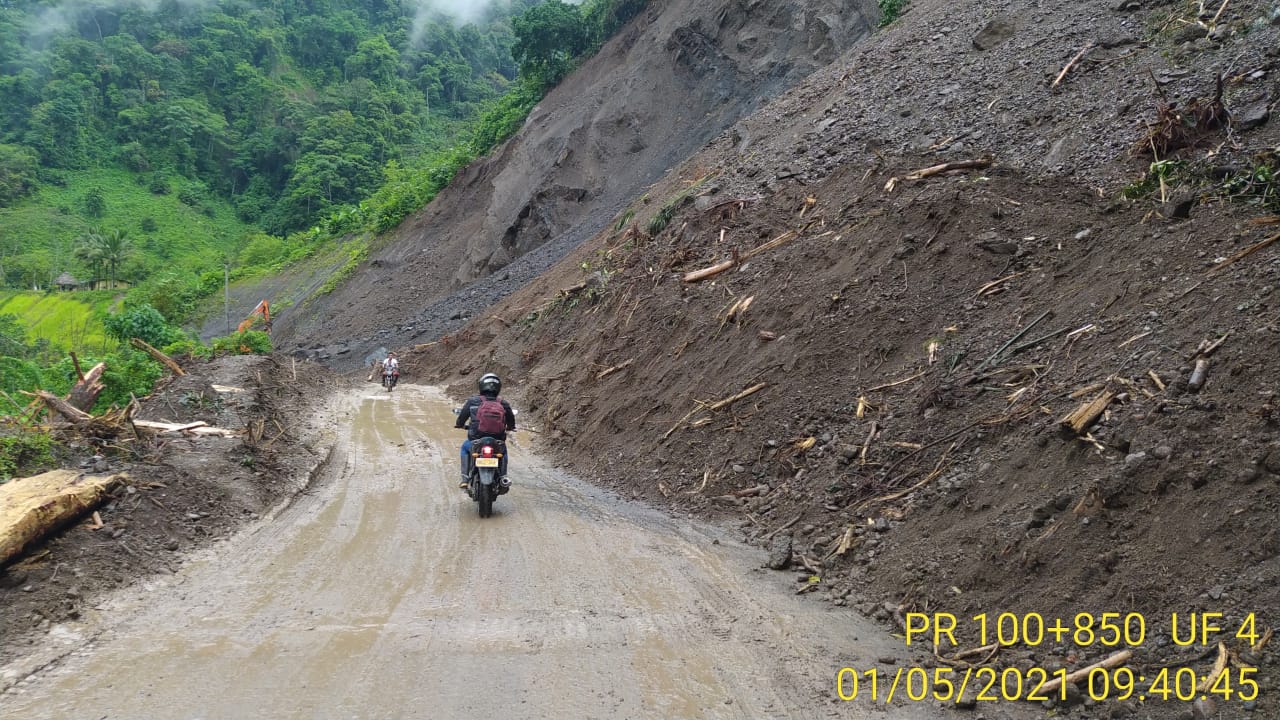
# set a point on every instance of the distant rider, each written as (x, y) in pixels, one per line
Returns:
(390, 368)
(489, 385)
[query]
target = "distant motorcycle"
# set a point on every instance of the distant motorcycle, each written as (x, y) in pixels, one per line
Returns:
(389, 380)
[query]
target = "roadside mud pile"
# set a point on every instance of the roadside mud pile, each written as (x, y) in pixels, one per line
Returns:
(183, 491)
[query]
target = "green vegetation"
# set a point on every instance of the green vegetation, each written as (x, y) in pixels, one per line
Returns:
(890, 10)
(24, 452)
(284, 109)
(41, 235)
(69, 321)
(1257, 184)
(150, 149)
(147, 150)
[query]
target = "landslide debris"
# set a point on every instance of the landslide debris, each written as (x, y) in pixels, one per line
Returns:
(182, 490)
(1043, 382)
(663, 87)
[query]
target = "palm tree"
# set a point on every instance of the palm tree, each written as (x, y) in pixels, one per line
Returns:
(115, 248)
(89, 250)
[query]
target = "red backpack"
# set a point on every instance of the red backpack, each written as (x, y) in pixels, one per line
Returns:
(490, 416)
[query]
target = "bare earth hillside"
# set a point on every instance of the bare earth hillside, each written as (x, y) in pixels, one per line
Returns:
(882, 371)
(669, 82)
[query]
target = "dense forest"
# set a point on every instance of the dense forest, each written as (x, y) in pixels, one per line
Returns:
(285, 109)
(280, 114)
(150, 149)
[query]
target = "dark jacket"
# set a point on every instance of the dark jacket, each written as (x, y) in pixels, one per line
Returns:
(469, 408)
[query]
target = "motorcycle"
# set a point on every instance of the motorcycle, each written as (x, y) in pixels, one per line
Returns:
(389, 380)
(487, 480)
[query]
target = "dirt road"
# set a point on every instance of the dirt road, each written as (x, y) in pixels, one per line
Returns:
(381, 593)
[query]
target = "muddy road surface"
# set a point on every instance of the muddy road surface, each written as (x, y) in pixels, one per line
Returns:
(380, 593)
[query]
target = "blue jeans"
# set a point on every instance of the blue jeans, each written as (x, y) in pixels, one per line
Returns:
(466, 458)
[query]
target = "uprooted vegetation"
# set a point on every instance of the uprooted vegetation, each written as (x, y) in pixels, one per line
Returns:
(215, 446)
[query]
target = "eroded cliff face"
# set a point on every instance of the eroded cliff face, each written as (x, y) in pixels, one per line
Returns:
(677, 76)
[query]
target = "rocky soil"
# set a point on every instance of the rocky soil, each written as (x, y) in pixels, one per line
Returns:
(911, 346)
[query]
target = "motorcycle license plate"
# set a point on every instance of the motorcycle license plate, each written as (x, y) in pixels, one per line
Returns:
(487, 462)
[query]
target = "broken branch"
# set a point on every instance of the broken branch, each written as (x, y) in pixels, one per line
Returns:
(1015, 338)
(621, 366)
(1245, 253)
(938, 170)
(73, 415)
(1118, 659)
(1072, 63)
(159, 356)
(720, 267)
(1219, 667)
(995, 284)
(898, 382)
(745, 393)
(1088, 413)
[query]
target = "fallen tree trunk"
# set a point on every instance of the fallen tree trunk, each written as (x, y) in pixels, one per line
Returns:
(72, 414)
(159, 356)
(32, 508)
(86, 392)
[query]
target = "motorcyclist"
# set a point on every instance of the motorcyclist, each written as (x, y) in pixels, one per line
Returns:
(489, 386)
(390, 368)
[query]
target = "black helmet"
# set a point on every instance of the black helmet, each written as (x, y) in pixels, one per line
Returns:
(489, 384)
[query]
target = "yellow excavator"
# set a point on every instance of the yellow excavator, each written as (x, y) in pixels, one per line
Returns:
(263, 309)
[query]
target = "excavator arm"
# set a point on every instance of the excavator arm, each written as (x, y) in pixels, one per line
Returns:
(263, 309)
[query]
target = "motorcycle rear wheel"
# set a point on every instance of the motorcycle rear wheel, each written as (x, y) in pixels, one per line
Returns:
(485, 498)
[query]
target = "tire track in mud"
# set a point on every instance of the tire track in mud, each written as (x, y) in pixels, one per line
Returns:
(383, 594)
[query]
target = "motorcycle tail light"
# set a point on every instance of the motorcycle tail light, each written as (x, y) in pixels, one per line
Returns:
(487, 451)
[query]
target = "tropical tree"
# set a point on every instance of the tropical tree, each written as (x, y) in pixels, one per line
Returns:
(115, 246)
(548, 37)
(90, 251)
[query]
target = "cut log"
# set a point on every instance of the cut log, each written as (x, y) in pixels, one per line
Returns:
(86, 392)
(720, 267)
(32, 508)
(1080, 419)
(195, 428)
(159, 356)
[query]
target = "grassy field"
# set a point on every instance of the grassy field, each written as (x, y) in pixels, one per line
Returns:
(71, 321)
(164, 231)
